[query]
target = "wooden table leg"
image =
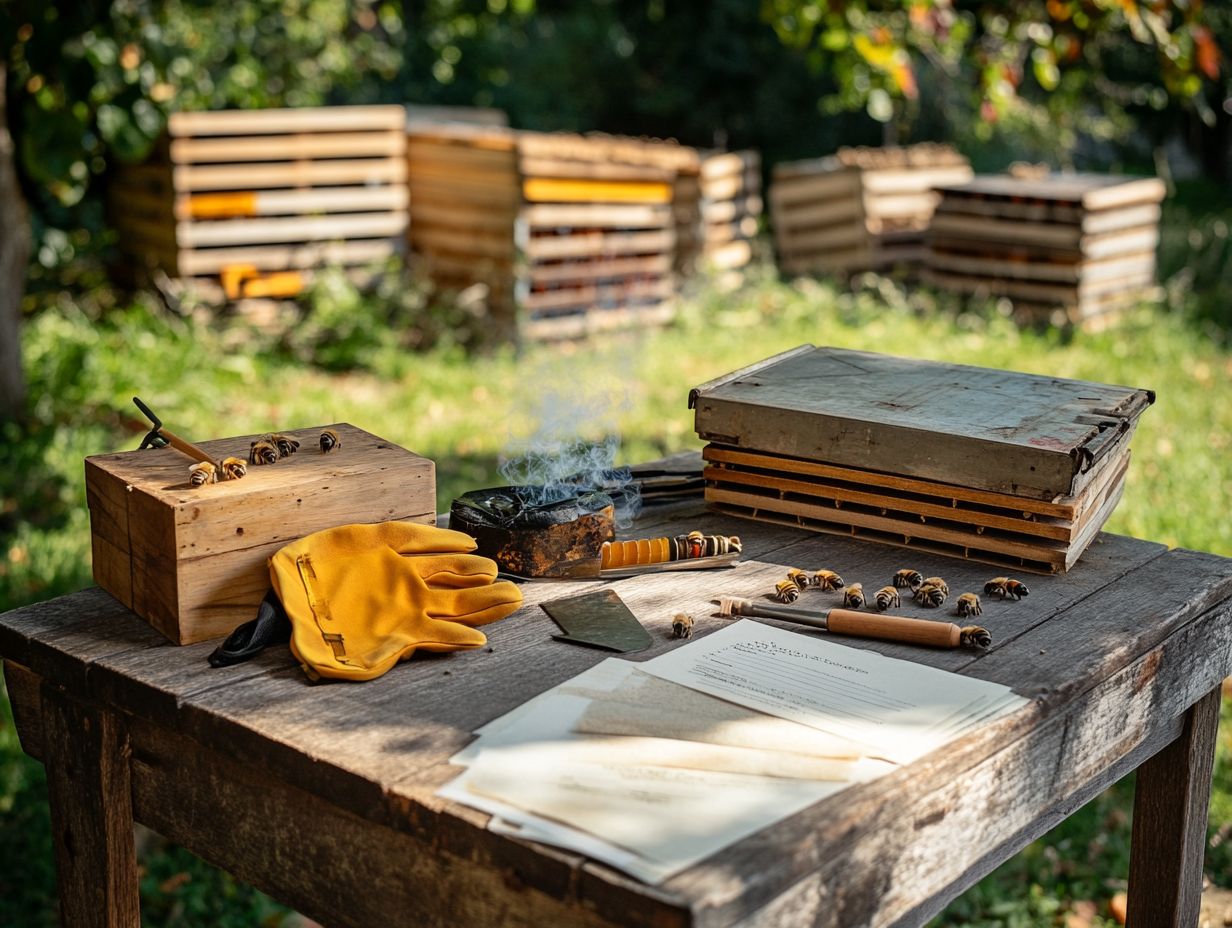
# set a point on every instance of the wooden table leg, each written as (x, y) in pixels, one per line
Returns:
(1171, 797)
(86, 753)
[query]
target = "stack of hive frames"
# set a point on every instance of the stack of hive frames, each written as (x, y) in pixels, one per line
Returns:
(465, 197)
(730, 208)
(251, 201)
(597, 232)
(860, 209)
(1073, 248)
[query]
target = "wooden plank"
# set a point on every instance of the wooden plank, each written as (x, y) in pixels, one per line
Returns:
(551, 190)
(594, 170)
(1091, 223)
(1090, 191)
(462, 216)
(927, 536)
(1041, 291)
(784, 192)
(289, 202)
(1004, 431)
(731, 256)
(288, 148)
(417, 113)
(838, 237)
(609, 148)
(728, 188)
(912, 180)
(829, 213)
(976, 265)
(912, 205)
(281, 257)
(729, 210)
(501, 199)
(607, 296)
(720, 233)
(726, 164)
(276, 121)
(86, 753)
(601, 216)
(1171, 798)
(610, 268)
(597, 244)
(296, 229)
(837, 261)
(365, 171)
(428, 238)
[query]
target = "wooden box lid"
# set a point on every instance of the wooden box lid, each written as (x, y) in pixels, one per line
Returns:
(1004, 431)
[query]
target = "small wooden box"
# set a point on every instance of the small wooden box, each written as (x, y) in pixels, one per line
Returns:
(193, 561)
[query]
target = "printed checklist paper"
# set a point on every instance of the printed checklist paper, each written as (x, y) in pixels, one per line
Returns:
(752, 724)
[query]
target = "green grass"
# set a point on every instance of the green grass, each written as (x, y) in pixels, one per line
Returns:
(629, 389)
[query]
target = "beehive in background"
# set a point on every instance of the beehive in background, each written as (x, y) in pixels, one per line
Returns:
(598, 231)
(1065, 248)
(465, 197)
(730, 209)
(251, 201)
(860, 209)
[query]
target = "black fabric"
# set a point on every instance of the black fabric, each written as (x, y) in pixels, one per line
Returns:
(271, 626)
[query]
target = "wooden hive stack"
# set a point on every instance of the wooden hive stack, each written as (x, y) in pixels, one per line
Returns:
(730, 208)
(465, 198)
(597, 231)
(1071, 248)
(251, 201)
(1011, 469)
(860, 209)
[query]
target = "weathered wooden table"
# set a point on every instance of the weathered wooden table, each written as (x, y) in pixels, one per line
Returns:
(322, 795)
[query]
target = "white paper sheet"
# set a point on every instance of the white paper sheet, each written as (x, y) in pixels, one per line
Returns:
(899, 709)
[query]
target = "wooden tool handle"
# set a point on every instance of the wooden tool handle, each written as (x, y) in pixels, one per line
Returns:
(186, 447)
(894, 628)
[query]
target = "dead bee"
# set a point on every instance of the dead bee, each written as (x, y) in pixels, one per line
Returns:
(329, 441)
(1006, 588)
(908, 579)
(886, 597)
(682, 625)
(853, 598)
(202, 473)
(285, 444)
(263, 451)
(939, 584)
(930, 595)
(827, 580)
(785, 591)
(800, 578)
(968, 604)
(233, 468)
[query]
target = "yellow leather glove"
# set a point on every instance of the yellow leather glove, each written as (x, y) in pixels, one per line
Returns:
(363, 597)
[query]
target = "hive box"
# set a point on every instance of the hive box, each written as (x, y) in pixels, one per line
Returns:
(192, 561)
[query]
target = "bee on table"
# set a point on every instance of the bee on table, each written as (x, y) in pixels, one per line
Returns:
(785, 591)
(827, 580)
(886, 597)
(285, 444)
(682, 625)
(908, 579)
(329, 441)
(800, 578)
(263, 451)
(939, 584)
(853, 598)
(1006, 588)
(233, 468)
(930, 595)
(202, 473)
(968, 604)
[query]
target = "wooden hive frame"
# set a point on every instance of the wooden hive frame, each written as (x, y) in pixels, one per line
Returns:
(997, 528)
(1062, 248)
(251, 201)
(860, 209)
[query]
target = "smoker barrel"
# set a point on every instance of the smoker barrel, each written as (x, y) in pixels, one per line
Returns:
(537, 531)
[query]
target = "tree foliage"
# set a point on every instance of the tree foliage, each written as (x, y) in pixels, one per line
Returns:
(1051, 69)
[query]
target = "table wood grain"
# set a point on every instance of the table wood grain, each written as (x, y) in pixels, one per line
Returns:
(323, 794)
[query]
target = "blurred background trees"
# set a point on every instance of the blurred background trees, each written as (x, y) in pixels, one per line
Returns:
(1077, 83)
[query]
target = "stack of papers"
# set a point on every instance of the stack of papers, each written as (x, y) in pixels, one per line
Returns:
(653, 767)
